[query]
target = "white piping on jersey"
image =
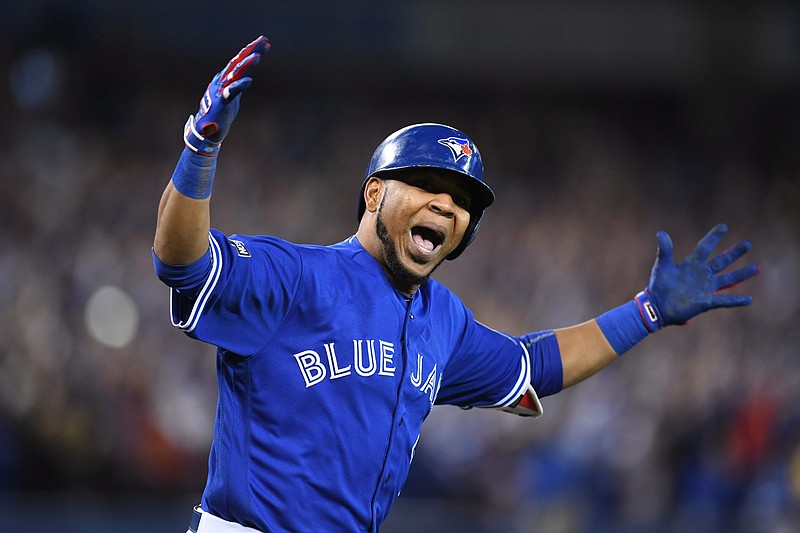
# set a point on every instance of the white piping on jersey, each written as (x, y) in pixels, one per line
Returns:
(521, 385)
(205, 293)
(523, 382)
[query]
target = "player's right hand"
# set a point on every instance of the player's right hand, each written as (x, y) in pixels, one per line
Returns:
(205, 130)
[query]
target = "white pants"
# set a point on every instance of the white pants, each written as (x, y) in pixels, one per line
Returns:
(213, 524)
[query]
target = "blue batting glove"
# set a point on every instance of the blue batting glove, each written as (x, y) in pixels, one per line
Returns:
(678, 292)
(205, 130)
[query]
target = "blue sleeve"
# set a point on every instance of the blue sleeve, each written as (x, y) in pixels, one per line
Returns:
(238, 299)
(547, 372)
(185, 282)
(487, 368)
(490, 368)
(184, 278)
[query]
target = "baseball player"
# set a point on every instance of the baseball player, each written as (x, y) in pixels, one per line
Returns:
(329, 358)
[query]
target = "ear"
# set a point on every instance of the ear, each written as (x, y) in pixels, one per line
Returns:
(373, 193)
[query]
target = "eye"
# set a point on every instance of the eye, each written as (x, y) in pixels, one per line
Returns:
(461, 201)
(425, 185)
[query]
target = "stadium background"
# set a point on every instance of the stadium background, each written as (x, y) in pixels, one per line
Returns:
(599, 123)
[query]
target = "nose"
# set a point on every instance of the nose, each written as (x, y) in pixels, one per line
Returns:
(442, 204)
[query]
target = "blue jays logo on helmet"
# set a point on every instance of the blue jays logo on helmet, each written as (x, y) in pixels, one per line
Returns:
(459, 147)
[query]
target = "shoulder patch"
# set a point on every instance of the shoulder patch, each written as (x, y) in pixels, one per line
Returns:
(241, 249)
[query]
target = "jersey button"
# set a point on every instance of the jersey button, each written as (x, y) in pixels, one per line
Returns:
(388, 477)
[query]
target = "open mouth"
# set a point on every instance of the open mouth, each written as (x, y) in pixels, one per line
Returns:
(427, 239)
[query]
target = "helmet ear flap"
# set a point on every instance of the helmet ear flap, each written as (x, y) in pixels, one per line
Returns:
(434, 145)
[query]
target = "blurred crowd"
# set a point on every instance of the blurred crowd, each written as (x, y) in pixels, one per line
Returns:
(696, 429)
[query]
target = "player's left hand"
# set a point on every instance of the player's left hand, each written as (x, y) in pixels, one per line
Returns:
(679, 292)
(205, 130)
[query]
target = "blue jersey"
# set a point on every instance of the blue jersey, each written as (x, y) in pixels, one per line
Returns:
(326, 373)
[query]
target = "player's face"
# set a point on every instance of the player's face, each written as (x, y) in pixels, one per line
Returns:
(422, 218)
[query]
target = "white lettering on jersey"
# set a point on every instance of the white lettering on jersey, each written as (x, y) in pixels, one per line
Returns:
(314, 370)
(416, 378)
(311, 367)
(387, 358)
(432, 382)
(333, 364)
(358, 357)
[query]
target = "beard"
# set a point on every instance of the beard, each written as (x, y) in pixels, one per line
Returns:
(404, 279)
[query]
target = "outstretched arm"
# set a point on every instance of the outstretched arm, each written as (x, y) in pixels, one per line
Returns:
(675, 294)
(584, 351)
(183, 213)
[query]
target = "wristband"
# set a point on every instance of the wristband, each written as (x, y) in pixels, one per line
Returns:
(649, 312)
(623, 326)
(194, 175)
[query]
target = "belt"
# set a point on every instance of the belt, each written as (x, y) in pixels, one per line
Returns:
(194, 523)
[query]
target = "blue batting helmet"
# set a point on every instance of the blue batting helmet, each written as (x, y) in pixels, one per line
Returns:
(435, 146)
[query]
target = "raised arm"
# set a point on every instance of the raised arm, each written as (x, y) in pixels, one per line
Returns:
(183, 214)
(675, 294)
